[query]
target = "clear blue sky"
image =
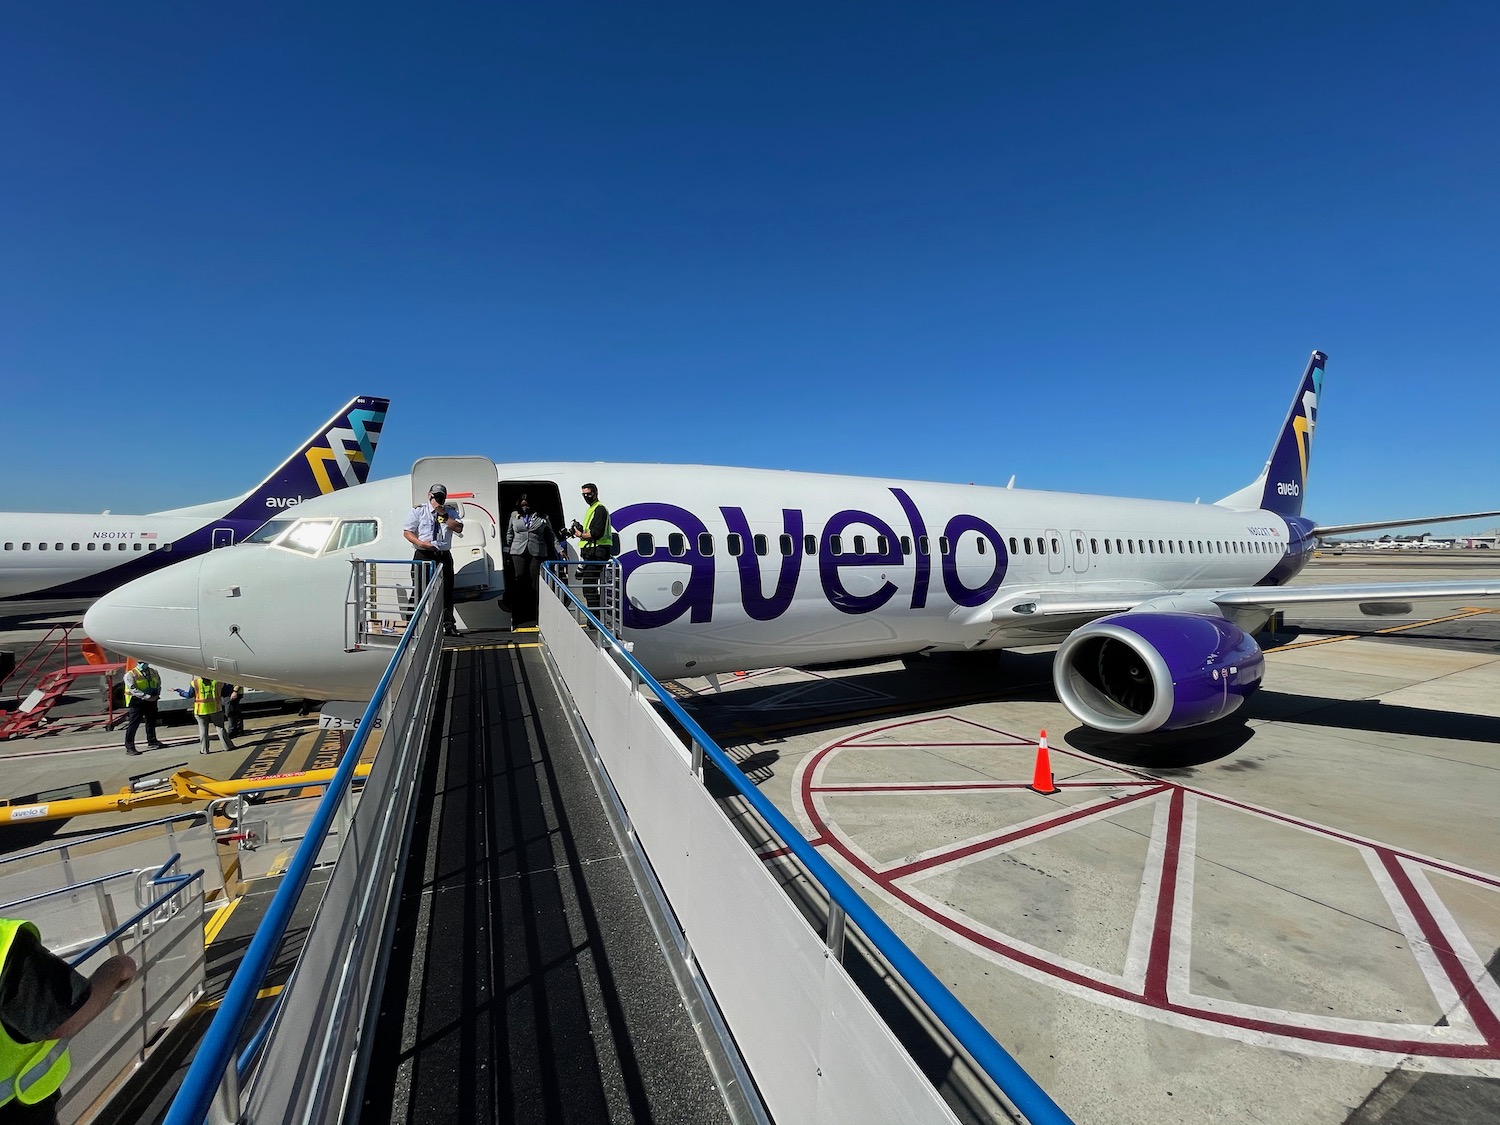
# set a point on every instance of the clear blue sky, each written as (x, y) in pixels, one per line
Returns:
(1089, 246)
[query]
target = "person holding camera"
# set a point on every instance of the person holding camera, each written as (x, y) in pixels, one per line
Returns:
(596, 543)
(430, 529)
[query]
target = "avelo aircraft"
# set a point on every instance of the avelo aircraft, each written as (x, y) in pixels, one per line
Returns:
(59, 557)
(1153, 602)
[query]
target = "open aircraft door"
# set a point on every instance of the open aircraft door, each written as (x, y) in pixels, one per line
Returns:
(474, 489)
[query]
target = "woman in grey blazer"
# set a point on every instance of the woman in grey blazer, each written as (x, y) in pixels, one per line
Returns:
(529, 541)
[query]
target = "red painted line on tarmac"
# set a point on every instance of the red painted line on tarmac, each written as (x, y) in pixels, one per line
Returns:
(1268, 1027)
(1154, 993)
(964, 786)
(938, 745)
(1157, 963)
(1484, 1018)
(1320, 829)
(966, 850)
(1333, 833)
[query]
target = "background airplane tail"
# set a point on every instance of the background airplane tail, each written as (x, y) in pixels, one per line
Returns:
(1283, 482)
(337, 456)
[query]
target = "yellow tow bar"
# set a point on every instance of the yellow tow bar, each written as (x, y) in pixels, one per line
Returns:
(181, 788)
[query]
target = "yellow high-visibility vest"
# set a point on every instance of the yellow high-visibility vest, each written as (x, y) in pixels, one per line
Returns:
(205, 696)
(605, 540)
(29, 1072)
(147, 679)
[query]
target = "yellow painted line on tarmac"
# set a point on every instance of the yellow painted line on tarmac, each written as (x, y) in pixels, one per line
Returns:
(1382, 632)
(278, 865)
(212, 927)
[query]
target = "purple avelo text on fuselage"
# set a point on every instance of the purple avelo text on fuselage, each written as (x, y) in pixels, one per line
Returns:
(696, 598)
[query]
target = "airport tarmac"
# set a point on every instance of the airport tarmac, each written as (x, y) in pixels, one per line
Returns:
(1292, 919)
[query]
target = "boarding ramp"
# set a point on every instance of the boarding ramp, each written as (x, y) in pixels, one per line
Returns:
(321, 1022)
(813, 1042)
(155, 916)
(786, 1032)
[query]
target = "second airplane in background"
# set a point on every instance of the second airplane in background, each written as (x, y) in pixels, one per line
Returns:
(59, 558)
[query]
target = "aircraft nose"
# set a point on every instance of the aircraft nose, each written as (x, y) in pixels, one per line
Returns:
(155, 617)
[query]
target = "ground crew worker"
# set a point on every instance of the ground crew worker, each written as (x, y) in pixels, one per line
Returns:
(207, 709)
(142, 690)
(44, 1001)
(596, 543)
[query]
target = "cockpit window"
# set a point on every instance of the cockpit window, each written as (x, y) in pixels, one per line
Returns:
(352, 533)
(307, 537)
(269, 531)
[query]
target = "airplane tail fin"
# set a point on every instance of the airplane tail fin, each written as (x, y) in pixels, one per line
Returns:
(1283, 482)
(338, 455)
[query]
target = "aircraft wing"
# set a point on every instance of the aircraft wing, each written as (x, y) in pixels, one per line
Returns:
(1342, 528)
(1275, 597)
(1038, 604)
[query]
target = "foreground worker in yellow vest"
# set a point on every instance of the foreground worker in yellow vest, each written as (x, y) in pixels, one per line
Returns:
(43, 1002)
(207, 708)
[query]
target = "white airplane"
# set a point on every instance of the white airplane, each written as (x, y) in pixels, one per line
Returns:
(1153, 602)
(58, 559)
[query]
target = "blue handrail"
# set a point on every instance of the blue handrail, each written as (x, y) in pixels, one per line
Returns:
(1033, 1102)
(216, 1051)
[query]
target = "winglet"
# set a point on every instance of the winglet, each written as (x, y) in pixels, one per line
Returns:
(337, 456)
(1283, 482)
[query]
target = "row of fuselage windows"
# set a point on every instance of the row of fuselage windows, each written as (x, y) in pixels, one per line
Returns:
(105, 545)
(676, 545)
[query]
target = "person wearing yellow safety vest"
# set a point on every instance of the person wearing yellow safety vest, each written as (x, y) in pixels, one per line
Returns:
(44, 1002)
(207, 708)
(596, 542)
(142, 690)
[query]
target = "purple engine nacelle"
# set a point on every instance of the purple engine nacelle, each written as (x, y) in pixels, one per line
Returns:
(1131, 673)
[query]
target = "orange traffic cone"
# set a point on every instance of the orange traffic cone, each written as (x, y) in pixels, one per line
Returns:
(1041, 777)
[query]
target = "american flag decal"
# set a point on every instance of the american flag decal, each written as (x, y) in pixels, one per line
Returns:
(148, 535)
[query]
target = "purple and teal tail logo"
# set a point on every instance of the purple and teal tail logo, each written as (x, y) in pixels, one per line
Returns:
(338, 455)
(348, 449)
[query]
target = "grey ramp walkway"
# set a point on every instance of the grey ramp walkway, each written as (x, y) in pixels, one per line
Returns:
(525, 984)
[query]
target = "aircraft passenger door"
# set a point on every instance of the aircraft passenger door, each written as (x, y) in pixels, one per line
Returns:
(1078, 547)
(223, 537)
(473, 488)
(1057, 551)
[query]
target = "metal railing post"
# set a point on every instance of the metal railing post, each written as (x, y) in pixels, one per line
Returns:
(834, 936)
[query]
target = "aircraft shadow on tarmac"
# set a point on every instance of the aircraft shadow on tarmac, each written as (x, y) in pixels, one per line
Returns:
(1372, 715)
(1168, 754)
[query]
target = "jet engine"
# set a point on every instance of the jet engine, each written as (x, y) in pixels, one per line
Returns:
(1143, 671)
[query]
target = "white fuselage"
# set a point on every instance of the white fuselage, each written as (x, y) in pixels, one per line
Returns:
(46, 551)
(727, 569)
